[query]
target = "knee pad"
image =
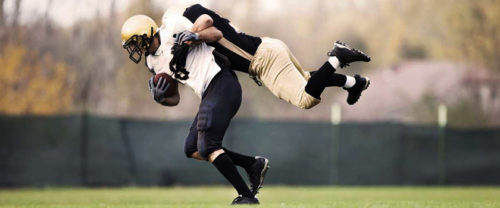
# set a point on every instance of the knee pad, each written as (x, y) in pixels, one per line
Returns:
(190, 146)
(205, 117)
(189, 150)
(205, 151)
(207, 146)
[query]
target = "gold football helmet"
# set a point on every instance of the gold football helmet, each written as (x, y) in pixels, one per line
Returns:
(137, 35)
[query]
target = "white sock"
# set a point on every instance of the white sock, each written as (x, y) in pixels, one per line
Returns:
(334, 61)
(350, 82)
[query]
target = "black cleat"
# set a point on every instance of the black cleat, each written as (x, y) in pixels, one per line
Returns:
(362, 83)
(257, 172)
(245, 200)
(347, 55)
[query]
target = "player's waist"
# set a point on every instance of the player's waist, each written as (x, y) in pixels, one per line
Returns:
(218, 77)
(262, 55)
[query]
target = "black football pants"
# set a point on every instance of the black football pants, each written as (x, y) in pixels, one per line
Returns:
(220, 102)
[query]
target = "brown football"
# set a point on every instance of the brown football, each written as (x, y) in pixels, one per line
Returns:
(172, 88)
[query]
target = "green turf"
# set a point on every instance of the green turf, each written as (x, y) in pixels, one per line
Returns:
(270, 197)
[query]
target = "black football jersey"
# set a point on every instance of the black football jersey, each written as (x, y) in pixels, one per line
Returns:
(234, 44)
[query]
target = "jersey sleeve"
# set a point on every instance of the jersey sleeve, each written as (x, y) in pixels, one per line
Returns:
(243, 41)
(195, 11)
(176, 24)
(183, 24)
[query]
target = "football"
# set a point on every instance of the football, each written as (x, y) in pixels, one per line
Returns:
(172, 88)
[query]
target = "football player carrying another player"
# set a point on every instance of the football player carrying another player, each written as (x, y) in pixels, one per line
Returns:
(200, 49)
(194, 65)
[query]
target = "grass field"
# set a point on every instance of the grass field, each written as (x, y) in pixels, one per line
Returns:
(198, 197)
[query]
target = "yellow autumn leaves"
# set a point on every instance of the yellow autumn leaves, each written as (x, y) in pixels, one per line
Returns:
(31, 83)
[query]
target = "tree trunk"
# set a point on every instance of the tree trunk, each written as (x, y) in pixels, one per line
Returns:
(2, 19)
(17, 13)
(14, 32)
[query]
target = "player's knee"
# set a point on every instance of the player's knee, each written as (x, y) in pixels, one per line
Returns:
(189, 151)
(308, 102)
(207, 150)
(306, 105)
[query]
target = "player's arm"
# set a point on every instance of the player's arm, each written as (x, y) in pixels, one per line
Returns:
(201, 31)
(202, 22)
(203, 26)
(210, 34)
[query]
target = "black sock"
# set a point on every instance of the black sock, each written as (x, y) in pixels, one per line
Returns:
(239, 159)
(336, 80)
(226, 166)
(319, 80)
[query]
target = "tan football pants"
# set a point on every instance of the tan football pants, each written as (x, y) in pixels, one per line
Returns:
(277, 68)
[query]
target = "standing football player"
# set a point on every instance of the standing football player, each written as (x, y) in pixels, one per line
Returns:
(193, 64)
(270, 61)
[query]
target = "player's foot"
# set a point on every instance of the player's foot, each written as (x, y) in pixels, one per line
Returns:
(245, 200)
(362, 83)
(347, 55)
(257, 172)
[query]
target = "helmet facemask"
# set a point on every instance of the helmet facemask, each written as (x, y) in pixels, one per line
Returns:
(136, 44)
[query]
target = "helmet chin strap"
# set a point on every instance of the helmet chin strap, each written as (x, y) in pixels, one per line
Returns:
(149, 52)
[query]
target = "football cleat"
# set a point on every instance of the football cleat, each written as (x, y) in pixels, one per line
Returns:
(347, 55)
(362, 83)
(245, 200)
(257, 172)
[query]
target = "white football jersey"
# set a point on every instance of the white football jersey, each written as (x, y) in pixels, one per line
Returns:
(200, 62)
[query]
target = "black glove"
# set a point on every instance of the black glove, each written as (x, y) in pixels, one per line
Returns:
(158, 91)
(182, 37)
(178, 63)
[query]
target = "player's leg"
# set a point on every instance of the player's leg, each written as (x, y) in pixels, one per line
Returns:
(341, 55)
(241, 160)
(191, 144)
(273, 65)
(336, 80)
(256, 168)
(219, 104)
(353, 85)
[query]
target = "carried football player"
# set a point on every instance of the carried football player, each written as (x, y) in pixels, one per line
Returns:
(174, 61)
(270, 61)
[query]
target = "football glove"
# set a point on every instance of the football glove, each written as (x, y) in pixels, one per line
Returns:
(159, 90)
(184, 36)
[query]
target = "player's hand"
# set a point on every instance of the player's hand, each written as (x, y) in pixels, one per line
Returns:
(185, 36)
(159, 90)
